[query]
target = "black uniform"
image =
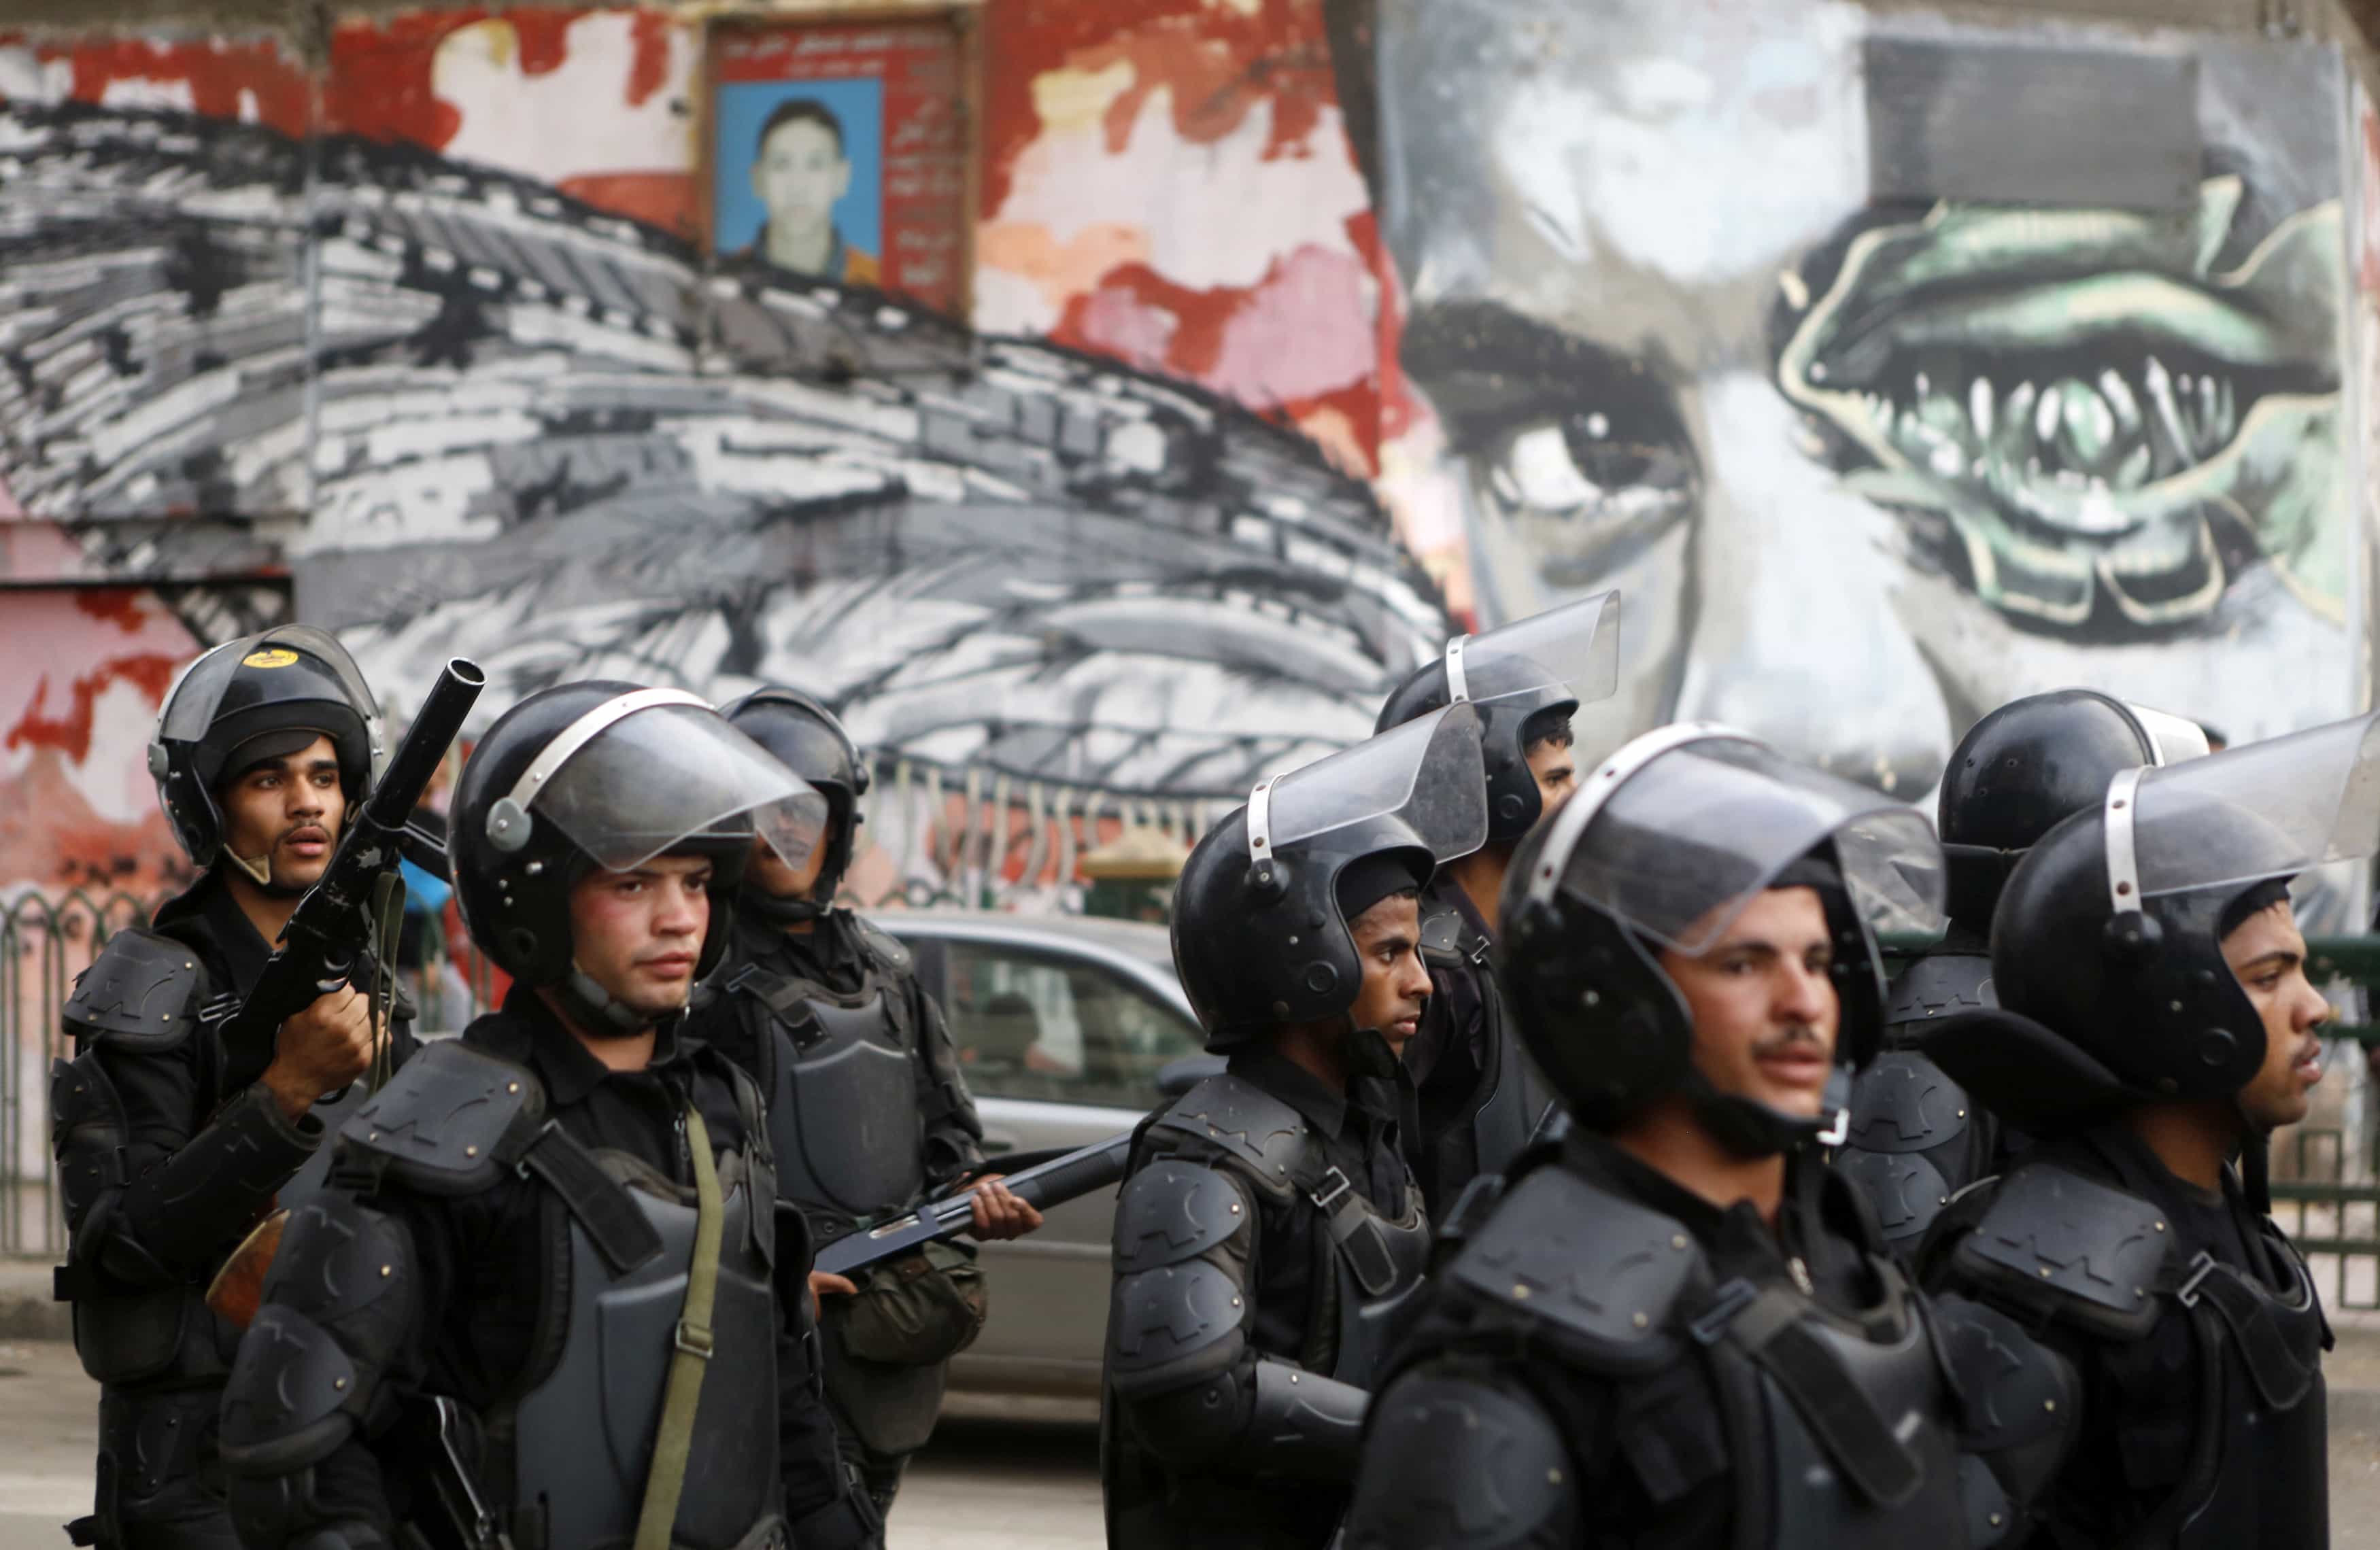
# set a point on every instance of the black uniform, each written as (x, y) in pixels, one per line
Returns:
(1613, 1360)
(2197, 1331)
(1477, 1097)
(868, 1114)
(1917, 1137)
(2194, 1324)
(1266, 1236)
(509, 1224)
(169, 1150)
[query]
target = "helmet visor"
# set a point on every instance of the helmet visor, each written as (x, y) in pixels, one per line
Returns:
(1574, 648)
(1429, 773)
(2268, 809)
(1680, 848)
(2171, 738)
(669, 775)
(197, 695)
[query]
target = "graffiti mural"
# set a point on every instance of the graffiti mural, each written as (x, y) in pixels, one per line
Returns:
(1866, 471)
(533, 426)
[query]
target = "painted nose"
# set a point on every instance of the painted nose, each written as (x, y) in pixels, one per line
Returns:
(1797, 640)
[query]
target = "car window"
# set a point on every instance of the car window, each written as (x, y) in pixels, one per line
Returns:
(1063, 1030)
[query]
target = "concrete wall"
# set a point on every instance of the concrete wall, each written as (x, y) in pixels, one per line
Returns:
(1300, 333)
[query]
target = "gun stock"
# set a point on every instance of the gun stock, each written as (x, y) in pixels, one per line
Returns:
(237, 1290)
(327, 933)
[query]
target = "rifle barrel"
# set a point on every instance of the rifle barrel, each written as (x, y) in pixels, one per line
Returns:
(424, 747)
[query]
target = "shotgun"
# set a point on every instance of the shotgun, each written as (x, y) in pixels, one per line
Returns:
(1050, 1183)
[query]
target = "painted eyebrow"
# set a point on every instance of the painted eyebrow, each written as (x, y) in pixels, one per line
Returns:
(1484, 364)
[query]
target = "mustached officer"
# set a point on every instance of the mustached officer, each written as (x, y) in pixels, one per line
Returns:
(2155, 1025)
(1477, 1098)
(866, 1107)
(171, 1146)
(1916, 1137)
(1678, 1327)
(546, 1293)
(1268, 1228)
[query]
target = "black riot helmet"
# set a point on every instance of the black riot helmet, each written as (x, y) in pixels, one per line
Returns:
(2109, 936)
(1527, 678)
(1260, 935)
(261, 697)
(807, 739)
(609, 775)
(2025, 768)
(1662, 847)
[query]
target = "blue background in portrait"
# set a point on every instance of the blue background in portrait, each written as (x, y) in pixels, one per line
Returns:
(739, 110)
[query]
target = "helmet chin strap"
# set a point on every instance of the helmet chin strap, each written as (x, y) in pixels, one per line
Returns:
(1368, 1053)
(596, 1010)
(1751, 1129)
(260, 872)
(779, 909)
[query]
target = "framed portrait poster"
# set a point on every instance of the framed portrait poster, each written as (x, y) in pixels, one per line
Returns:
(839, 150)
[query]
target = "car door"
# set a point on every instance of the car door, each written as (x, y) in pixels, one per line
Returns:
(1061, 1048)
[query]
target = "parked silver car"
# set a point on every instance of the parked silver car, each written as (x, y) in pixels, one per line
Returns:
(1062, 1024)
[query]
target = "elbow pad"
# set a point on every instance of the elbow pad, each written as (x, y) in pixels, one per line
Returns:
(184, 1210)
(1267, 1417)
(2020, 1409)
(338, 1304)
(1456, 1464)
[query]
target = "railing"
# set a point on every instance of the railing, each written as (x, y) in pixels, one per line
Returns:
(45, 941)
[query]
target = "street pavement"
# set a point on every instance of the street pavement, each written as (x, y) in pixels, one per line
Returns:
(984, 1484)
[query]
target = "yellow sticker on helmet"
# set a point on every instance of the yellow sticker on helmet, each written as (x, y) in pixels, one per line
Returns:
(271, 655)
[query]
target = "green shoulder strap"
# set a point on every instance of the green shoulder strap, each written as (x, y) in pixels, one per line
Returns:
(675, 1439)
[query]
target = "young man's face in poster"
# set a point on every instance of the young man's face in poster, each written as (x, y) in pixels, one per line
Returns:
(799, 173)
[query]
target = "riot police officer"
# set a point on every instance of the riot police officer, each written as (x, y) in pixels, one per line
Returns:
(545, 1295)
(1477, 1099)
(2155, 1023)
(1916, 1140)
(867, 1111)
(170, 1147)
(1268, 1228)
(1678, 1327)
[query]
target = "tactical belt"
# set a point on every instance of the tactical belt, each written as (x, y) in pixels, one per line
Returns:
(675, 1439)
(1765, 1325)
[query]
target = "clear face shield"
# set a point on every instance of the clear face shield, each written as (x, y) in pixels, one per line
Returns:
(1676, 852)
(1574, 648)
(2266, 811)
(1427, 774)
(654, 771)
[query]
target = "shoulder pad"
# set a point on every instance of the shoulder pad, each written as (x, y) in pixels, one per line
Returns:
(449, 1122)
(141, 993)
(1172, 1211)
(1903, 1102)
(2073, 1248)
(891, 953)
(1605, 1271)
(1442, 933)
(1938, 985)
(1450, 1461)
(1244, 1123)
